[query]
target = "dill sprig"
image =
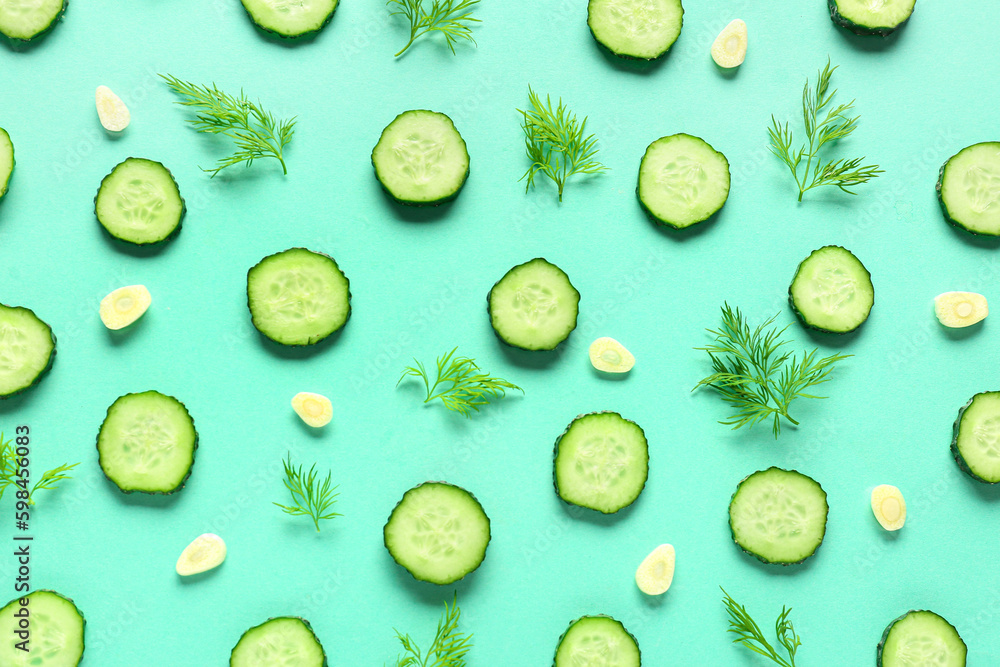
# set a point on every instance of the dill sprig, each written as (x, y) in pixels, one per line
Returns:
(748, 633)
(554, 142)
(449, 17)
(842, 173)
(449, 647)
(8, 472)
(755, 375)
(256, 132)
(464, 387)
(310, 497)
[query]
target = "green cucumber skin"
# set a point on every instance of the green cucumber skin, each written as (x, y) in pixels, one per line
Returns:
(41, 33)
(13, 163)
(290, 38)
(624, 56)
(407, 202)
(555, 454)
(471, 495)
(944, 207)
(838, 19)
(888, 628)
(954, 443)
(52, 357)
(180, 222)
(194, 452)
(83, 618)
(489, 312)
(802, 317)
(315, 252)
(758, 556)
(575, 621)
(275, 618)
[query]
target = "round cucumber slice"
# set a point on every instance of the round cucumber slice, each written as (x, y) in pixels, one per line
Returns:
(285, 641)
(438, 532)
(682, 181)
(601, 462)
(976, 441)
(778, 516)
(421, 159)
(968, 189)
(290, 18)
(139, 202)
(6, 161)
(27, 349)
(147, 443)
(24, 21)
(597, 641)
(534, 306)
(298, 297)
(871, 17)
(919, 638)
(636, 29)
(56, 631)
(832, 291)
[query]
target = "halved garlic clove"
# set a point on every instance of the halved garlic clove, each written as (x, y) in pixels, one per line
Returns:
(204, 553)
(314, 409)
(656, 572)
(960, 309)
(610, 356)
(113, 113)
(730, 48)
(124, 306)
(888, 506)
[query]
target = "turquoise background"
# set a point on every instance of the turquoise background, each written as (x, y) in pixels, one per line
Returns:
(419, 279)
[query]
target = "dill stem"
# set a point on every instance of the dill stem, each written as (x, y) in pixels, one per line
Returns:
(413, 36)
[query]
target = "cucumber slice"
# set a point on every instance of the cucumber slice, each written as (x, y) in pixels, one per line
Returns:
(23, 21)
(871, 17)
(438, 532)
(601, 462)
(832, 291)
(421, 159)
(636, 29)
(919, 638)
(968, 189)
(147, 443)
(976, 441)
(285, 641)
(6, 160)
(56, 631)
(778, 516)
(138, 202)
(290, 18)
(597, 641)
(682, 180)
(27, 348)
(534, 306)
(298, 297)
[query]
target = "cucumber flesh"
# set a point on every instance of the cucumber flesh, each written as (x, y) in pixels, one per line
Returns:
(27, 348)
(438, 532)
(640, 29)
(969, 189)
(56, 632)
(919, 638)
(298, 297)
(421, 159)
(147, 443)
(23, 20)
(534, 306)
(832, 291)
(871, 17)
(976, 444)
(279, 642)
(290, 18)
(778, 516)
(138, 202)
(601, 462)
(597, 641)
(682, 180)
(6, 160)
